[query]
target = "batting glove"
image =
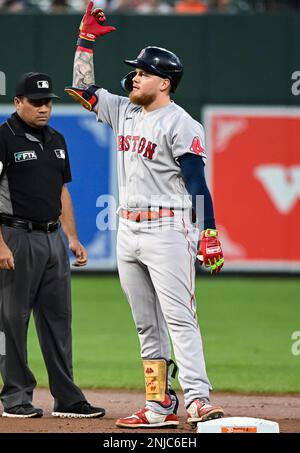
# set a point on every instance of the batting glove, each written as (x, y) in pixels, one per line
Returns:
(210, 251)
(92, 27)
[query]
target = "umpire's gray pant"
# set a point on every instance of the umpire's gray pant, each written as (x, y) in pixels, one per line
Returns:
(39, 282)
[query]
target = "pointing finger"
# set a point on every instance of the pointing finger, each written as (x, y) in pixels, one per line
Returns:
(89, 8)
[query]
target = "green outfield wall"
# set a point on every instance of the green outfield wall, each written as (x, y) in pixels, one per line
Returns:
(245, 59)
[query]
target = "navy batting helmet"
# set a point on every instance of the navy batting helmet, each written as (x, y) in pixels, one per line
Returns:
(158, 61)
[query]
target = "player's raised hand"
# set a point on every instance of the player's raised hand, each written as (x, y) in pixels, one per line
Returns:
(210, 251)
(91, 26)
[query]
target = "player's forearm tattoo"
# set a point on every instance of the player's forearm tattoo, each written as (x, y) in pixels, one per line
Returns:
(83, 73)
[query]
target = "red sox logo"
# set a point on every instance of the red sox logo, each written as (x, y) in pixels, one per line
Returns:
(152, 386)
(136, 143)
(197, 147)
(141, 53)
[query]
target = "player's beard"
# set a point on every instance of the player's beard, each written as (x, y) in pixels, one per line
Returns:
(141, 99)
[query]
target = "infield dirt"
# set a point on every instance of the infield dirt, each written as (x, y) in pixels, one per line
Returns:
(285, 409)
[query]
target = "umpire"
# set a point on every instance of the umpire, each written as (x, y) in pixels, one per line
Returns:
(35, 270)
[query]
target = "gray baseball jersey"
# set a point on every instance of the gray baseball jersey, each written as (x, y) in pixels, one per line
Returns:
(148, 147)
(155, 261)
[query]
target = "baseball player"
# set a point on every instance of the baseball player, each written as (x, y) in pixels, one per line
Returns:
(161, 156)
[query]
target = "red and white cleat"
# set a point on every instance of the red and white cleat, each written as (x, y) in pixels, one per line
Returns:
(200, 411)
(145, 418)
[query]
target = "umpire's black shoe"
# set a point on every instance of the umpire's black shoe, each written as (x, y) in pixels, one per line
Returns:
(23, 411)
(79, 410)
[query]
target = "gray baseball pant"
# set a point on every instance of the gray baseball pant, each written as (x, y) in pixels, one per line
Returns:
(157, 273)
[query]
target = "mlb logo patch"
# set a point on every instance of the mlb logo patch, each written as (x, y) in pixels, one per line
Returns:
(43, 84)
(60, 153)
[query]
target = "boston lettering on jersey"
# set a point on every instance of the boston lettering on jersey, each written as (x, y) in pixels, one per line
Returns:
(136, 143)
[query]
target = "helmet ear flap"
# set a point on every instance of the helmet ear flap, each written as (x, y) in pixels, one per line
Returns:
(127, 83)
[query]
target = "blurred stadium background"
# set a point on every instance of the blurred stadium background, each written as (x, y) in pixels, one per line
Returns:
(242, 66)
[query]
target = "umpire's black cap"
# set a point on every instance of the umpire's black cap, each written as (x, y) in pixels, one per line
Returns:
(35, 85)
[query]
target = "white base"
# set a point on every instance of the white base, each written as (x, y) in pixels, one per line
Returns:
(238, 425)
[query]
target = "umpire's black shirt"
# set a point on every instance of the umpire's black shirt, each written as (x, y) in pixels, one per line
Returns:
(34, 165)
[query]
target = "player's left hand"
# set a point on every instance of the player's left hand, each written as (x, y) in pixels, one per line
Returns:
(91, 26)
(79, 252)
(210, 251)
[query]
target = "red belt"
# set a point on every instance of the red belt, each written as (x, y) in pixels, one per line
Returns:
(140, 216)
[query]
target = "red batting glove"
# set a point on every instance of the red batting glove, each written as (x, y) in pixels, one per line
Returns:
(92, 27)
(210, 251)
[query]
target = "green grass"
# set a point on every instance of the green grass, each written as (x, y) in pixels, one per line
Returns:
(246, 325)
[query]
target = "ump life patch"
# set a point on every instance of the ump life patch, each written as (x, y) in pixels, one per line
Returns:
(25, 155)
(60, 153)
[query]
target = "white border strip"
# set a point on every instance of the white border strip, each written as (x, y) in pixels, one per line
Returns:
(251, 110)
(8, 109)
(265, 266)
